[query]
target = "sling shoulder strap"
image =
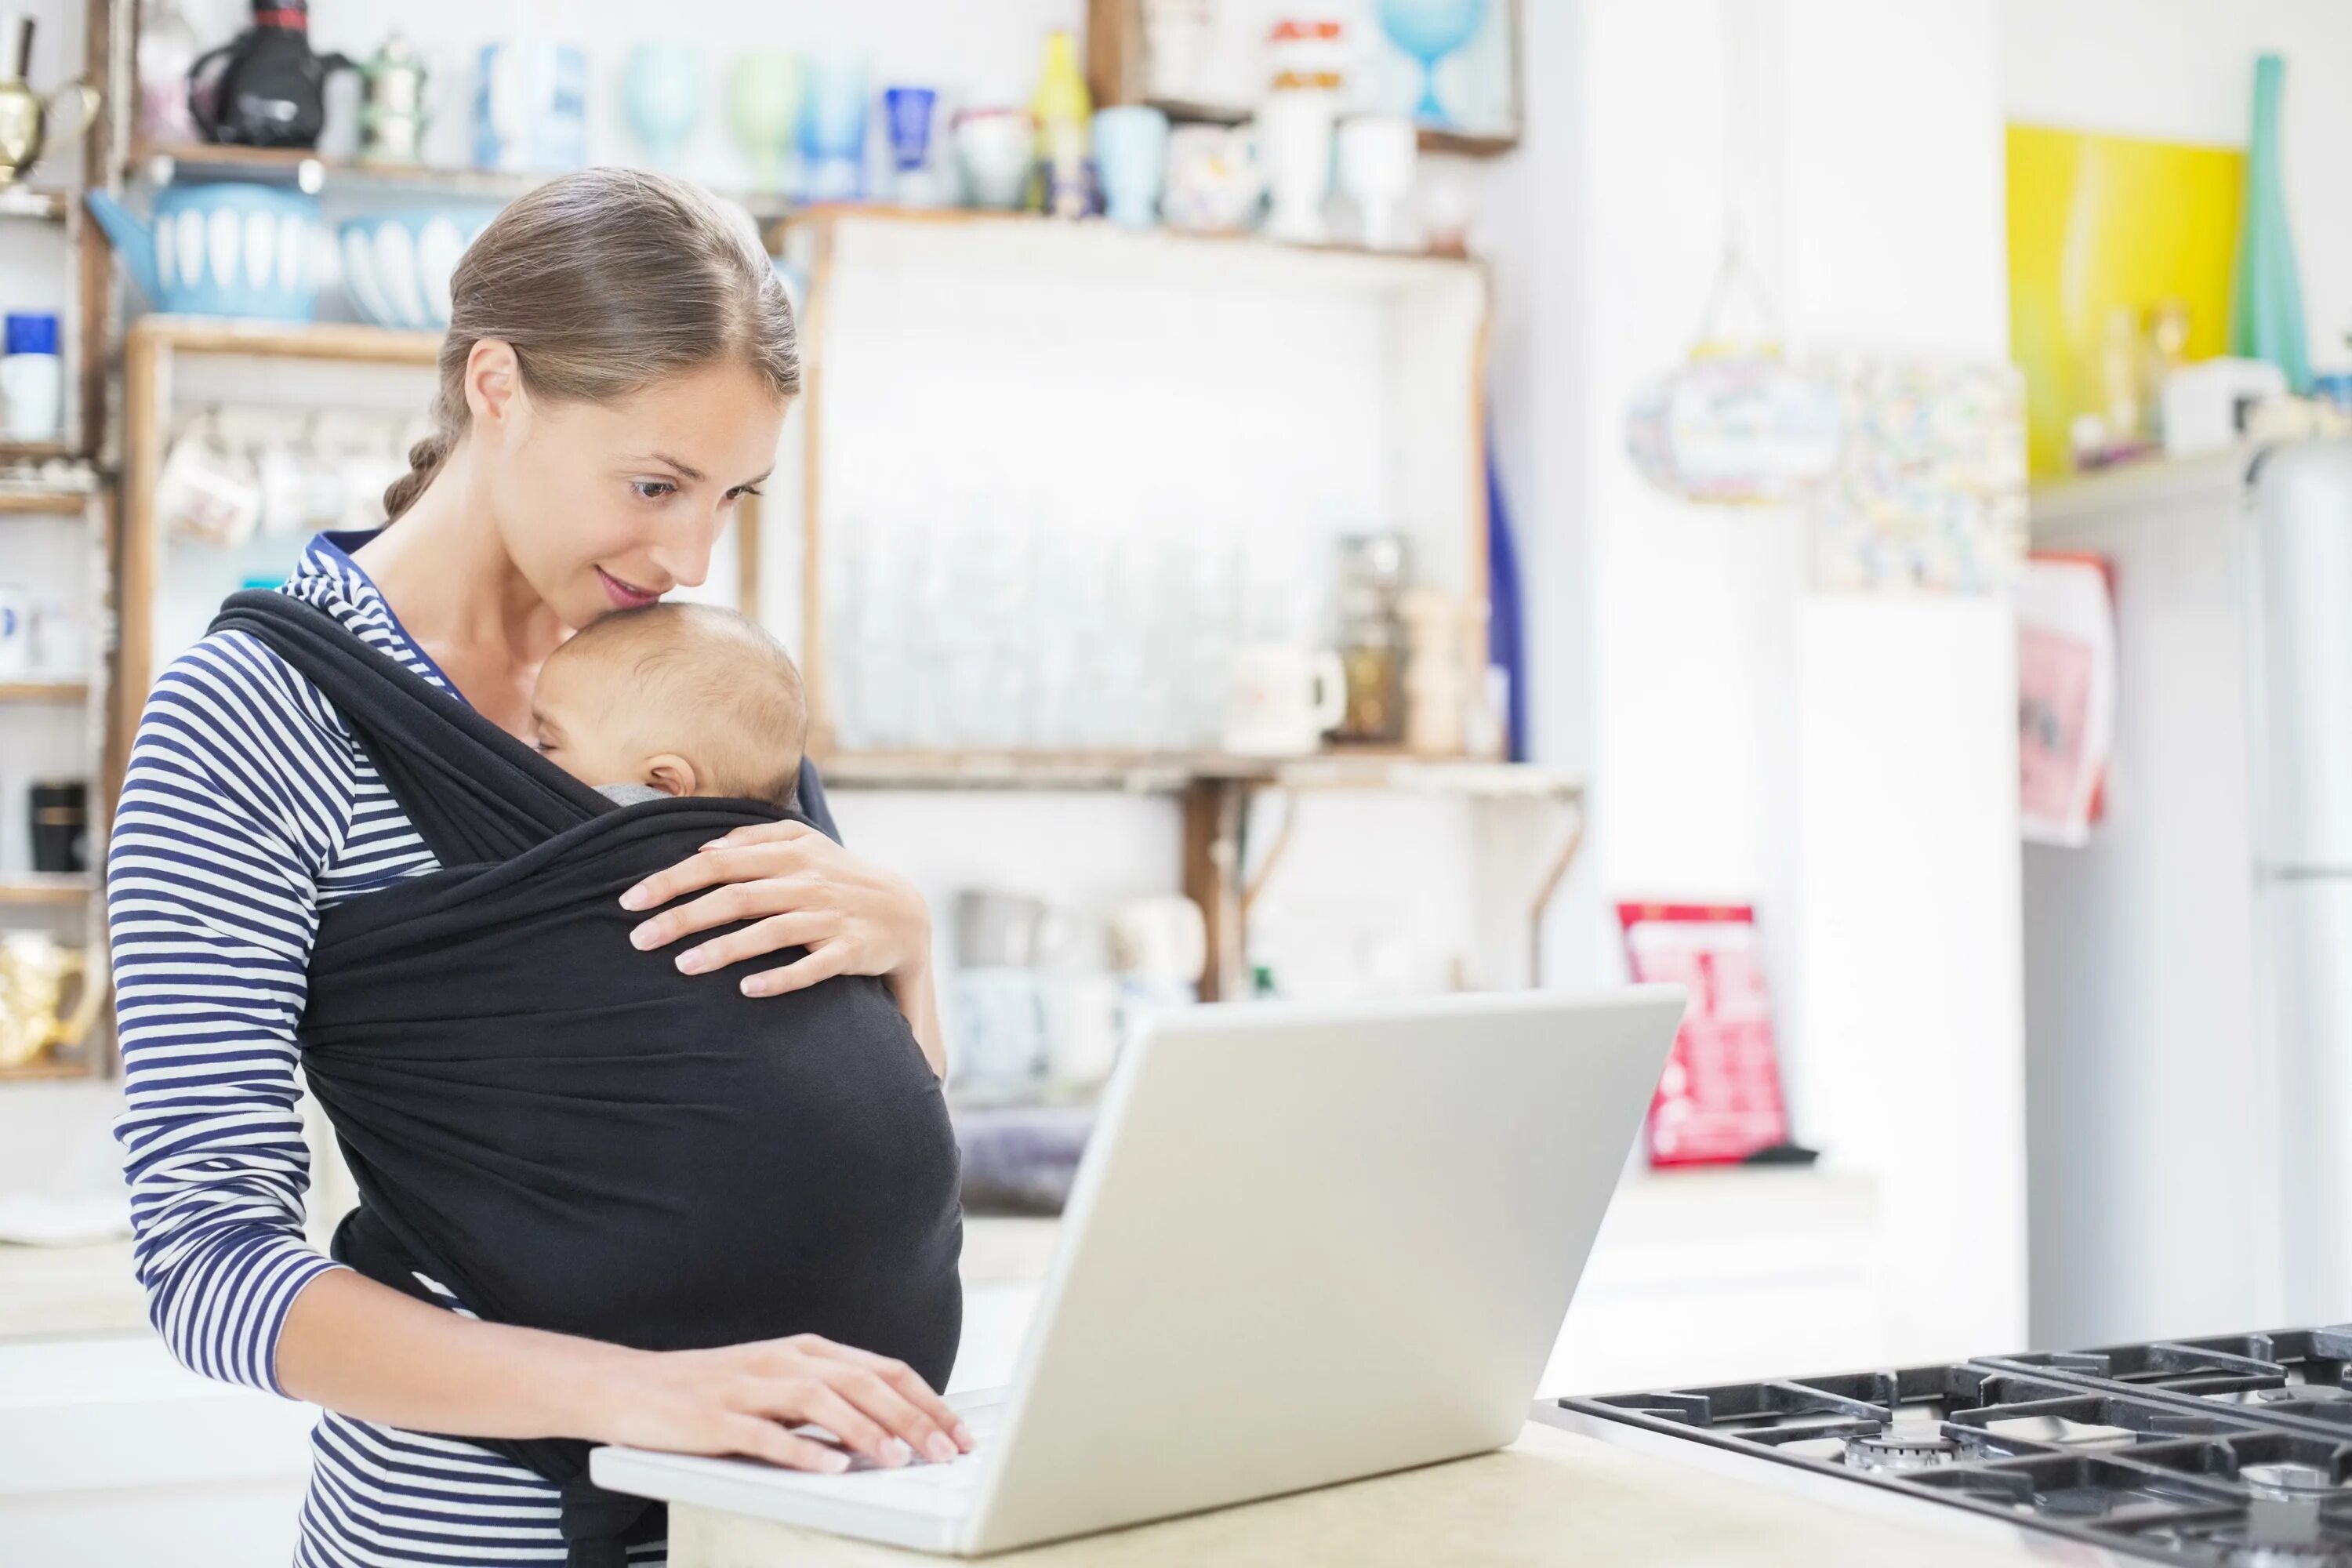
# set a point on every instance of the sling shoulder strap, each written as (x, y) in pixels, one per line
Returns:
(474, 793)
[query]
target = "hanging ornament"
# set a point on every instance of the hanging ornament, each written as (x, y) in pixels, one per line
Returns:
(1736, 423)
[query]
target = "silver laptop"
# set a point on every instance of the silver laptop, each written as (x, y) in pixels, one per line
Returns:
(1305, 1245)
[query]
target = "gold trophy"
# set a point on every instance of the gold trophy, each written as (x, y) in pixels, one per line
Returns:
(36, 971)
(29, 121)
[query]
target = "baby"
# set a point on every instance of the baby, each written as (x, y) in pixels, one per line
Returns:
(674, 699)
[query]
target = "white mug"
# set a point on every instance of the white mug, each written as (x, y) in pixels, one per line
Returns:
(1378, 155)
(15, 630)
(1283, 698)
(1159, 939)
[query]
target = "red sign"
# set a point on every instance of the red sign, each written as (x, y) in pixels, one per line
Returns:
(1719, 1099)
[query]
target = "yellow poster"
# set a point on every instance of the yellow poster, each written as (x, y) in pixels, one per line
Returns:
(2095, 222)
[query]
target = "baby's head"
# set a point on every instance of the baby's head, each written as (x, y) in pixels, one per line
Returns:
(686, 699)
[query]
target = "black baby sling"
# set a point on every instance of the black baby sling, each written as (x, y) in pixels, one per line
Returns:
(568, 1134)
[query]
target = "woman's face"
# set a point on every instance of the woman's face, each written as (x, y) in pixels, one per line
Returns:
(604, 507)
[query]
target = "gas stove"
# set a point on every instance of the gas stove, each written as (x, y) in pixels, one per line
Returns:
(2235, 1450)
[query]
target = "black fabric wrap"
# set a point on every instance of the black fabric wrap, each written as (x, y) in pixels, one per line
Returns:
(568, 1132)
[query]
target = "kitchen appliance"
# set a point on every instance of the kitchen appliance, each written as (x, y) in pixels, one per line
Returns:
(59, 809)
(230, 249)
(1203, 1311)
(29, 121)
(2234, 1449)
(2189, 1025)
(36, 973)
(265, 87)
(392, 119)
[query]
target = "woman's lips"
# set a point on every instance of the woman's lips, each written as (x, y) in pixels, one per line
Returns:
(625, 596)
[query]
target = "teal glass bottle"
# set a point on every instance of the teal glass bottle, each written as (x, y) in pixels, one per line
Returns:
(2265, 297)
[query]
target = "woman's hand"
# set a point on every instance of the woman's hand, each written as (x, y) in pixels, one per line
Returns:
(800, 889)
(741, 1399)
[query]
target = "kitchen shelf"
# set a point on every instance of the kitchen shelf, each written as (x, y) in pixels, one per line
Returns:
(43, 502)
(1032, 243)
(1163, 772)
(38, 1071)
(286, 339)
(41, 206)
(33, 451)
(46, 888)
(44, 691)
(160, 165)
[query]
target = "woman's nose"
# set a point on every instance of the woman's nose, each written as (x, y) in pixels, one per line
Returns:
(687, 562)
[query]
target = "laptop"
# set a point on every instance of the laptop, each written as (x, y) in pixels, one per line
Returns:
(1305, 1245)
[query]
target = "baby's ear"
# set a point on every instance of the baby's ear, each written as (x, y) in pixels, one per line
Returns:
(671, 774)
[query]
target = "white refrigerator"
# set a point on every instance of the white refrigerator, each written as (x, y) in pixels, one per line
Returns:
(2188, 972)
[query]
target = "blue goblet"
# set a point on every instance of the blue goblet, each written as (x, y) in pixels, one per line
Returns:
(1429, 30)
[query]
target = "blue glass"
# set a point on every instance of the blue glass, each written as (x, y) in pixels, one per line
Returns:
(663, 91)
(834, 111)
(1429, 30)
(908, 112)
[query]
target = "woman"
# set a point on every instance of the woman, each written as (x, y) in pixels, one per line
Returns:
(613, 382)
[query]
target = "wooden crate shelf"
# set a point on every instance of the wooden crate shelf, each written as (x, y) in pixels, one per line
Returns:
(44, 691)
(38, 887)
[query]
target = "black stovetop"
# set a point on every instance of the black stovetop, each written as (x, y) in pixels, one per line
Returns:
(2233, 1450)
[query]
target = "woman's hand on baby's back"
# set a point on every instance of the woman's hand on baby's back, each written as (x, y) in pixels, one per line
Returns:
(742, 1399)
(800, 888)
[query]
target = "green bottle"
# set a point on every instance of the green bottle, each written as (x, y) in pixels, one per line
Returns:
(2265, 299)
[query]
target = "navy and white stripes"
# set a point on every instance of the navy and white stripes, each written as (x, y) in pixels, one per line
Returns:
(247, 808)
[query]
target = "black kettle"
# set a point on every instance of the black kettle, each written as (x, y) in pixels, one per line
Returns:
(264, 87)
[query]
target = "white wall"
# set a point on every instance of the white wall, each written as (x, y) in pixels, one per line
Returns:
(2184, 70)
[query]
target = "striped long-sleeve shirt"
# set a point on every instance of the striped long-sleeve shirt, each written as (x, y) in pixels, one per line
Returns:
(247, 808)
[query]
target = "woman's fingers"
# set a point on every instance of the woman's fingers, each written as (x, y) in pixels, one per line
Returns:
(821, 964)
(801, 928)
(866, 1389)
(811, 1399)
(900, 1376)
(765, 1439)
(722, 860)
(734, 900)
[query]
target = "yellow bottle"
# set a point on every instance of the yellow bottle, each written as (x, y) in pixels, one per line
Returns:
(1063, 110)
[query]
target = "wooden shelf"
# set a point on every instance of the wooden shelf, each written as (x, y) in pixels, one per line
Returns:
(41, 206)
(474, 184)
(46, 888)
(44, 691)
(33, 451)
(41, 1072)
(1033, 242)
(43, 503)
(286, 340)
(1163, 773)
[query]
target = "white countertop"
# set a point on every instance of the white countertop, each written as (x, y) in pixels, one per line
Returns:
(1552, 1497)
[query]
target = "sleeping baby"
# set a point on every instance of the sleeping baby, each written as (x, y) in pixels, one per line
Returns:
(674, 699)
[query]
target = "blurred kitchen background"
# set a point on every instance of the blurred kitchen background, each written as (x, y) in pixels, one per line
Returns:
(1328, 501)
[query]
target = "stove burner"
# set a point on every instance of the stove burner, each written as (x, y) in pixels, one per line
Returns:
(1895, 1451)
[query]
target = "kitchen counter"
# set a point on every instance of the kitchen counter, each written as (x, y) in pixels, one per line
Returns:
(1551, 1497)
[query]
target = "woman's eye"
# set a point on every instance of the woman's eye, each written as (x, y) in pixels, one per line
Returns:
(654, 490)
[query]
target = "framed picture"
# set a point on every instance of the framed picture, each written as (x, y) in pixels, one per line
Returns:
(1452, 65)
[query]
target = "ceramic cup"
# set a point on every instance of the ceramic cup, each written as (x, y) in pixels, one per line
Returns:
(662, 88)
(833, 113)
(1293, 138)
(1378, 155)
(764, 110)
(994, 146)
(1214, 181)
(15, 630)
(1131, 162)
(1283, 699)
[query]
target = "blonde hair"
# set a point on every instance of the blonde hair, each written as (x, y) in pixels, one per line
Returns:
(605, 282)
(708, 683)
